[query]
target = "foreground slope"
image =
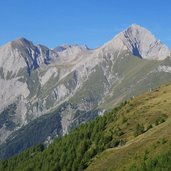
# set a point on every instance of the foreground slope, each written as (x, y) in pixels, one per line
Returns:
(136, 132)
(151, 150)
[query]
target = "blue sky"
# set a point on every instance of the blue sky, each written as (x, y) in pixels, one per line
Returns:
(91, 22)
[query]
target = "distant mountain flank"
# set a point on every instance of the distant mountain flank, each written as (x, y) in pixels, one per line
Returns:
(72, 84)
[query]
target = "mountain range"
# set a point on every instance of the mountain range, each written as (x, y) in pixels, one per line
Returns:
(45, 92)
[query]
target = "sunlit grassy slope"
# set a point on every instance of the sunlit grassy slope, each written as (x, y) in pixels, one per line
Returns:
(148, 151)
(134, 136)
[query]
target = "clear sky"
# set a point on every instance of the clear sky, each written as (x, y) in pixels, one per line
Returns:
(91, 22)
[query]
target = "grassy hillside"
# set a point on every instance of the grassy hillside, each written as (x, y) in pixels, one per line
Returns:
(151, 150)
(134, 136)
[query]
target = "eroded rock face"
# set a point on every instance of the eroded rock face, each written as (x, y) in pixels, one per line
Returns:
(36, 79)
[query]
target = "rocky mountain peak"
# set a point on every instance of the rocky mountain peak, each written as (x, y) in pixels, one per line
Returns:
(21, 42)
(142, 43)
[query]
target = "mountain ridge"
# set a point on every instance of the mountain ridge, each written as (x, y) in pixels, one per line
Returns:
(76, 85)
(129, 38)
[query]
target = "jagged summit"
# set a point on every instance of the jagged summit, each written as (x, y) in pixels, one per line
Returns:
(136, 26)
(21, 41)
(64, 47)
(71, 52)
(142, 43)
